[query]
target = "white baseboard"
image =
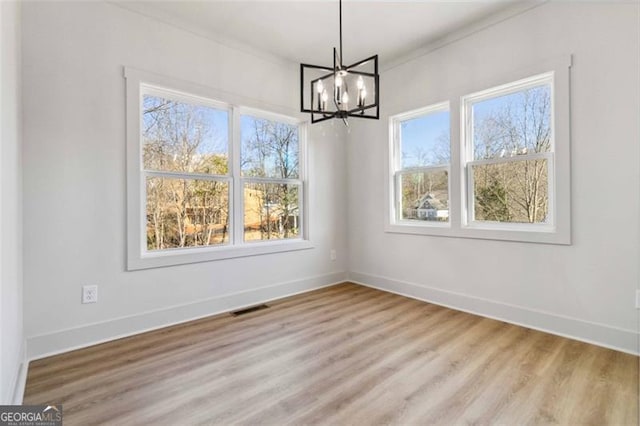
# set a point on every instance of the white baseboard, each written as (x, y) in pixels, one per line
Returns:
(598, 334)
(45, 345)
(21, 383)
(17, 379)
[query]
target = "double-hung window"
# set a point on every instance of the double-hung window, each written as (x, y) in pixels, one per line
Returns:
(207, 179)
(185, 158)
(421, 147)
(491, 163)
(272, 187)
(508, 155)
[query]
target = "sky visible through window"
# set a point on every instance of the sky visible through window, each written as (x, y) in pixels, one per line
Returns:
(512, 124)
(268, 148)
(425, 140)
(489, 107)
(179, 136)
(213, 122)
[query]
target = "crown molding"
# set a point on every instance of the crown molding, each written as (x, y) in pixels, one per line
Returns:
(147, 10)
(464, 31)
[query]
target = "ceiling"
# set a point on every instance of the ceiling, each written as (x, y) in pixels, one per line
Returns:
(307, 30)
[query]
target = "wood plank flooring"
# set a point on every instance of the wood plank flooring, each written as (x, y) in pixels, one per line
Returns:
(342, 355)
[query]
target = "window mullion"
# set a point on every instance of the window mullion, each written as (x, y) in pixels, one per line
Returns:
(303, 176)
(237, 220)
(466, 155)
(397, 199)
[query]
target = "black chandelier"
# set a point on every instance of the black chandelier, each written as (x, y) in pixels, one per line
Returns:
(362, 77)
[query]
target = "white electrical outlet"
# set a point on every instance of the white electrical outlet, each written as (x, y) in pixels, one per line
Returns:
(332, 254)
(637, 299)
(90, 294)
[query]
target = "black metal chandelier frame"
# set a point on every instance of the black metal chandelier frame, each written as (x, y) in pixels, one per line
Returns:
(361, 109)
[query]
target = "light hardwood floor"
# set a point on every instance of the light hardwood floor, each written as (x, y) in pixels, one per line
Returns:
(341, 355)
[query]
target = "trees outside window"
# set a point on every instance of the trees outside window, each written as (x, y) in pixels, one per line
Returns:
(511, 152)
(185, 156)
(269, 159)
(504, 175)
(208, 179)
(421, 166)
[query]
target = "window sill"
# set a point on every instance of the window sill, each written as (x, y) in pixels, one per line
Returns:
(164, 258)
(420, 228)
(500, 232)
(524, 233)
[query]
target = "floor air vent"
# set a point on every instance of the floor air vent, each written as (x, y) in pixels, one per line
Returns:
(249, 310)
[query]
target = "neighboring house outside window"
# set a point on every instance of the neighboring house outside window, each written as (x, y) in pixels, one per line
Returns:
(509, 173)
(431, 208)
(421, 165)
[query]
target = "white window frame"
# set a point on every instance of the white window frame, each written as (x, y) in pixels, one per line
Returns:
(558, 228)
(468, 161)
(397, 171)
(299, 182)
(139, 83)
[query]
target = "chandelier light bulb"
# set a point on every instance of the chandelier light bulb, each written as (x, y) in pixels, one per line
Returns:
(345, 97)
(362, 94)
(338, 81)
(322, 100)
(360, 83)
(319, 86)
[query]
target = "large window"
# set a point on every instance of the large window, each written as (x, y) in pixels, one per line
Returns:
(488, 164)
(271, 179)
(421, 175)
(208, 180)
(508, 153)
(185, 157)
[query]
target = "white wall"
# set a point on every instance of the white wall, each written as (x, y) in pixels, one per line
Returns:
(74, 179)
(584, 290)
(11, 336)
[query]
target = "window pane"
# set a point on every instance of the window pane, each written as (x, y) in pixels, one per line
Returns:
(182, 137)
(425, 196)
(514, 124)
(271, 211)
(424, 141)
(186, 213)
(269, 148)
(514, 192)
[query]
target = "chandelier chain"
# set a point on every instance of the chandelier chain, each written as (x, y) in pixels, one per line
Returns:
(340, 33)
